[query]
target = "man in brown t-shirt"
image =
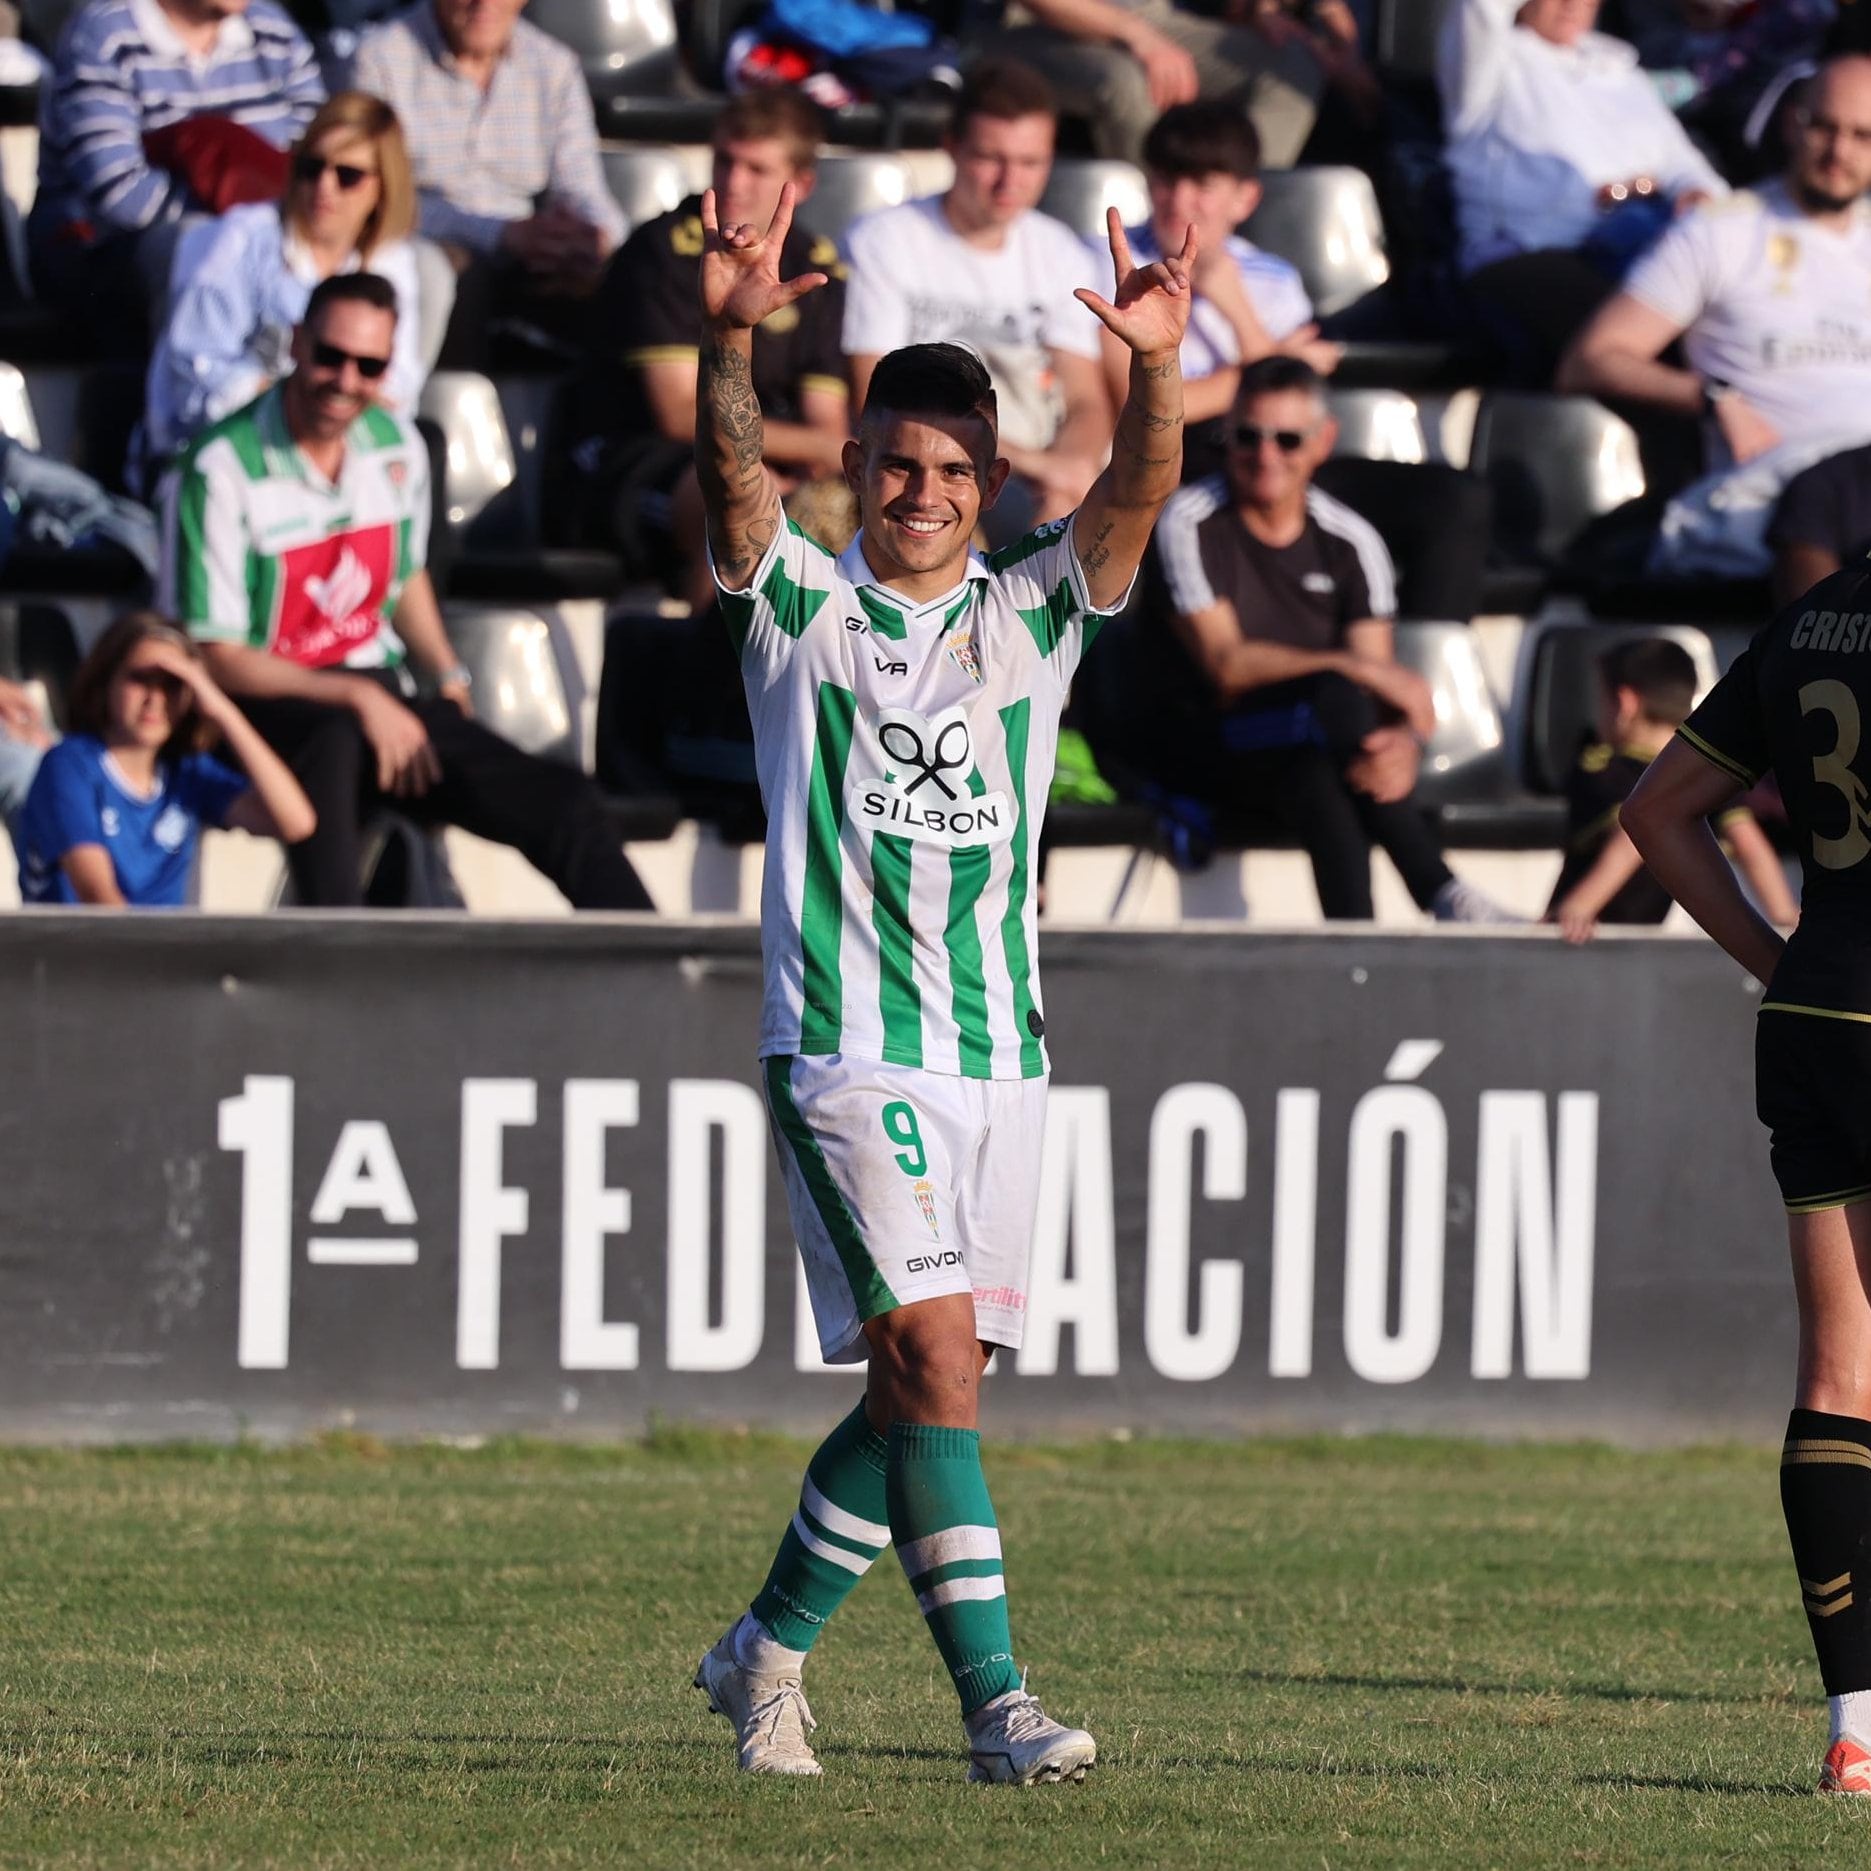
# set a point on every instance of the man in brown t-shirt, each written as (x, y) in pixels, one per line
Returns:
(1290, 694)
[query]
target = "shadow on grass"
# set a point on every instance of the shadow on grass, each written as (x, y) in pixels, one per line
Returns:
(1471, 1686)
(1696, 1783)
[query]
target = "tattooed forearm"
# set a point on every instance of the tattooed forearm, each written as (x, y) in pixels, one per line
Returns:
(729, 441)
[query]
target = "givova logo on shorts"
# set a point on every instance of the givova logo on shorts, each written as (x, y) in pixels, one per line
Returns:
(923, 792)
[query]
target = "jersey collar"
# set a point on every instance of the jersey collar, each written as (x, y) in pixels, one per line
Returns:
(879, 600)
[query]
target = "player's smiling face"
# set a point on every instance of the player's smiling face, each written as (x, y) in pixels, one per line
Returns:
(922, 484)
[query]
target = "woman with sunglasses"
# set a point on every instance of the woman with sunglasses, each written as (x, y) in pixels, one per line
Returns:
(349, 206)
(116, 809)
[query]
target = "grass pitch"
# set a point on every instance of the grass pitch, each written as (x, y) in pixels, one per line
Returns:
(1379, 1653)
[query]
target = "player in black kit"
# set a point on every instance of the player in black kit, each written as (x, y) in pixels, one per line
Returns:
(1797, 702)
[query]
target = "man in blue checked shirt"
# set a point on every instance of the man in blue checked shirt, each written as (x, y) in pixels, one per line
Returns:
(505, 150)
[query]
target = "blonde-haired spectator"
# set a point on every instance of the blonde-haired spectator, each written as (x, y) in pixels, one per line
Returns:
(349, 206)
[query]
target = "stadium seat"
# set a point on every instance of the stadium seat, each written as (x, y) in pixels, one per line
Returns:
(1558, 682)
(1435, 521)
(633, 68)
(1081, 190)
(646, 180)
(526, 681)
(850, 185)
(496, 440)
(1377, 425)
(1325, 222)
(1556, 463)
(480, 472)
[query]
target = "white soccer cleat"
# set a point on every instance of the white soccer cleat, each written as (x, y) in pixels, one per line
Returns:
(769, 1713)
(1013, 1742)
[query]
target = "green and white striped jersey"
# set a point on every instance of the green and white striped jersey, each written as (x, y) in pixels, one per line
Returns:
(905, 751)
(259, 548)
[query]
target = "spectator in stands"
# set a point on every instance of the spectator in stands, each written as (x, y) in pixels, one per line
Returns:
(1770, 294)
(1565, 165)
(1284, 600)
(505, 149)
(350, 206)
(1115, 64)
(980, 266)
(1203, 164)
(23, 741)
(634, 407)
(1646, 688)
(295, 533)
(115, 815)
(158, 112)
(1823, 520)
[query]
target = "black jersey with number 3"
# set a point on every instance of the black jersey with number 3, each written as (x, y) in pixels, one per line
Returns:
(1797, 702)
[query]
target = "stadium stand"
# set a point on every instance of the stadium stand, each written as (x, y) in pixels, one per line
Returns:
(588, 665)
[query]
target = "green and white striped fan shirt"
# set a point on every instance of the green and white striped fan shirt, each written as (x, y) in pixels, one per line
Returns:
(905, 751)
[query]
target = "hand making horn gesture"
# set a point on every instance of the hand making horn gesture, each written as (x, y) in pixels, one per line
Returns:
(741, 282)
(1152, 307)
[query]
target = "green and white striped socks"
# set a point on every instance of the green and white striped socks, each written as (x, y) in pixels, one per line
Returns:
(943, 1524)
(835, 1537)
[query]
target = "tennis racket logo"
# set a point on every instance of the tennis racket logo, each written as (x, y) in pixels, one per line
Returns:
(927, 785)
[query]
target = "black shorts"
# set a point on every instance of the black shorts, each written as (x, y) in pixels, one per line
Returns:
(1812, 1089)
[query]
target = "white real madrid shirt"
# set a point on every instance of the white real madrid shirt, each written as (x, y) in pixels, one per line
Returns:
(1773, 303)
(905, 750)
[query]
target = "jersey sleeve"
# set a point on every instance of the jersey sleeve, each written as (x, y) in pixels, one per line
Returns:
(786, 593)
(203, 581)
(659, 318)
(63, 809)
(1045, 583)
(1678, 276)
(1069, 326)
(1729, 729)
(877, 315)
(208, 788)
(821, 353)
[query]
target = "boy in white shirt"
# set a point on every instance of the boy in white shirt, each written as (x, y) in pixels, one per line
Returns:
(1770, 293)
(980, 266)
(1203, 164)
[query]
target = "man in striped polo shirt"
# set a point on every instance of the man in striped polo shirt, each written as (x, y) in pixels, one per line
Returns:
(294, 543)
(905, 700)
(105, 219)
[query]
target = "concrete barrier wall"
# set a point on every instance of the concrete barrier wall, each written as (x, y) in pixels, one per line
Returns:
(437, 1175)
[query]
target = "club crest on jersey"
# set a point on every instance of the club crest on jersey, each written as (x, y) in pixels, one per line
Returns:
(921, 790)
(961, 652)
(925, 1200)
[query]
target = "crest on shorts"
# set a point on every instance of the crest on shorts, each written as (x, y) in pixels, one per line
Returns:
(924, 1193)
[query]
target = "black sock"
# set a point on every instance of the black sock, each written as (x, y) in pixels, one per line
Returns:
(1825, 1490)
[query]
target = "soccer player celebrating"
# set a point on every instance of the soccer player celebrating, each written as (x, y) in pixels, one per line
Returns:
(905, 699)
(1796, 701)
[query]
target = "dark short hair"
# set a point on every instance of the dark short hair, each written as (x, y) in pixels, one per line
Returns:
(87, 706)
(1268, 376)
(786, 115)
(1201, 138)
(1659, 671)
(932, 380)
(350, 289)
(1001, 88)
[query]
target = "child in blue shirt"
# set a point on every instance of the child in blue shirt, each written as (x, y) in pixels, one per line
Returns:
(116, 809)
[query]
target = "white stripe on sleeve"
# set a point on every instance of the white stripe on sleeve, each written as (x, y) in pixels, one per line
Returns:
(1380, 575)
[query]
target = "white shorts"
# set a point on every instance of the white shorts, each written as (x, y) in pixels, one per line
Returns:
(907, 1185)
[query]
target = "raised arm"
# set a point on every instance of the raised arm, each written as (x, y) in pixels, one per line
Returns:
(1148, 316)
(740, 286)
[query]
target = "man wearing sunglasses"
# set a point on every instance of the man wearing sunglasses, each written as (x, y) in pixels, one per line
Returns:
(1290, 700)
(295, 537)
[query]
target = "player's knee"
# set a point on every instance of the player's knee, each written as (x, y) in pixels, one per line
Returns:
(925, 1363)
